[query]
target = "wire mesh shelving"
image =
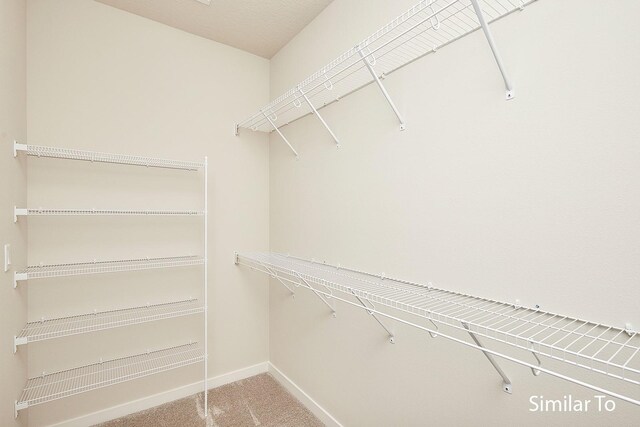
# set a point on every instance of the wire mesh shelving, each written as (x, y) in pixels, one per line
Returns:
(46, 329)
(530, 334)
(58, 385)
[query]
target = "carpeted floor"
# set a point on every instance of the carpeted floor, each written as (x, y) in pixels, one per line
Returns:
(255, 401)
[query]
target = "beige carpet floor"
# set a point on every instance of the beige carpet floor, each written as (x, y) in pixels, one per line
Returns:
(255, 401)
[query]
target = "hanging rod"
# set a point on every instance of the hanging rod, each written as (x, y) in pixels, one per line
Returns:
(46, 329)
(99, 267)
(58, 385)
(423, 29)
(99, 157)
(612, 353)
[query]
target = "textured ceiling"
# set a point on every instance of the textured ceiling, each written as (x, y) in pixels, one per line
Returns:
(261, 27)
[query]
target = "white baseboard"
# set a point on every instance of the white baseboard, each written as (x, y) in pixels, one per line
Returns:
(161, 398)
(303, 397)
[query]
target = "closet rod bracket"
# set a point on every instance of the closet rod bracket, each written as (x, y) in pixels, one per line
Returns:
(506, 382)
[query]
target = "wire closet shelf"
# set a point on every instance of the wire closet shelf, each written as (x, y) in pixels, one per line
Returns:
(607, 351)
(98, 267)
(102, 212)
(99, 157)
(423, 29)
(46, 329)
(58, 385)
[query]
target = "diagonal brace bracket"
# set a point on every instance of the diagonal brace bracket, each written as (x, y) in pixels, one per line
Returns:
(306, 98)
(275, 276)
(487, 33)
(392, 337)
(318, 294)
(506, 382)
(369, 61)
(270, 120)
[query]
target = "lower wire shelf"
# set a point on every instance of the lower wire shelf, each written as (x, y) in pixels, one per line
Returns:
(529, 335)
(54, 386)
(47, 329)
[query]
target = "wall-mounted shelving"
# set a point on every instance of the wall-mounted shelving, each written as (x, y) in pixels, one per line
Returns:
(58, 385)
(46, 329)
(100, 267)
(530, 335)
(423, 29)
(18, 212)
(50, 387)
(99, 157)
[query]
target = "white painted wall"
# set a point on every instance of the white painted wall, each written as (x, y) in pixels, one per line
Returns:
(533, 199)
(13, 176)
(106, 80)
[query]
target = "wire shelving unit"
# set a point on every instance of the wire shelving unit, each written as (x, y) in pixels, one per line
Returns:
(530, 334)
(99, 267)
(423, 29)
(46, 329)
(50, 387)
(58, 385)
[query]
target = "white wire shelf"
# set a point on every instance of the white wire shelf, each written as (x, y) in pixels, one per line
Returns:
(612, 352)
(18, 212)
(423, 29)
(46, 329)
(58, 385)
(99, 267)
(99, 157)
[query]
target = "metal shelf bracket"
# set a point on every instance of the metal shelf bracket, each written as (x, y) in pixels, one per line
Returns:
(487, 33)
(369, 61)
(274, 275)
(18, 147)
(18, 341)
(368, 309)
(306, 98)
(506, 382)
(19, 407)
(18, 277)
(266, 116)
(319, 295)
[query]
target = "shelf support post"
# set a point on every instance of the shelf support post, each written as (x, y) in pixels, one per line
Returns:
(487, 33)
(506, 382)
(392, 337)
(266, 116)
(306, 98)
(365, 59)
(323, 299)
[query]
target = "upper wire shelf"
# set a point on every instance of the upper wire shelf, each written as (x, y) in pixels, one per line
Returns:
(612, 352)
(46, 329)
(101, 212)
(423, 29)
(58, 385)
(98, 267)
(93, 156)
